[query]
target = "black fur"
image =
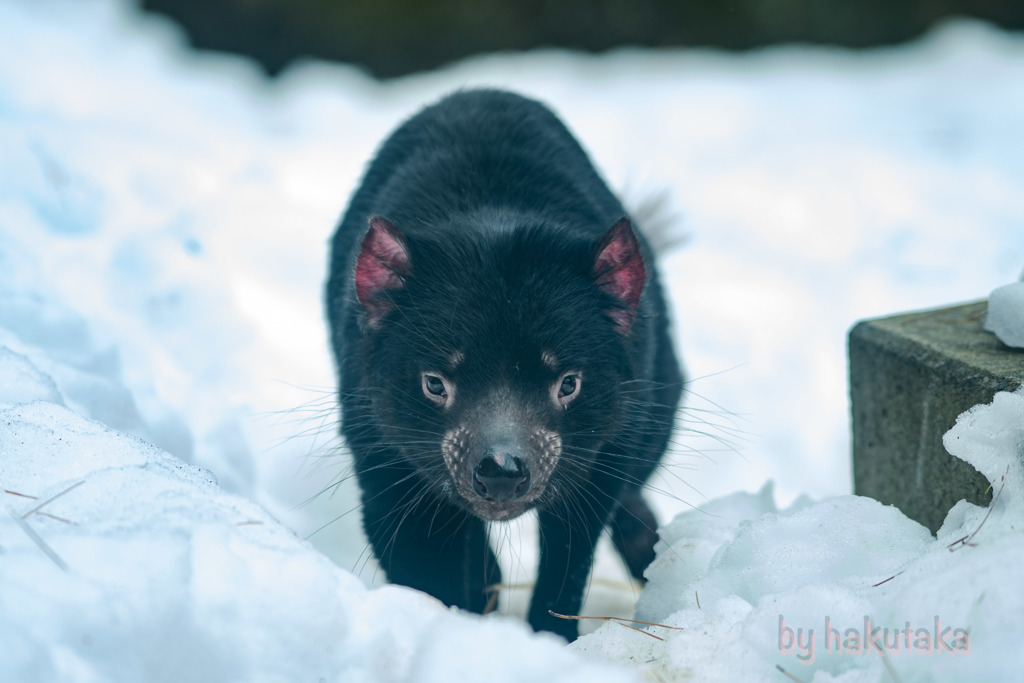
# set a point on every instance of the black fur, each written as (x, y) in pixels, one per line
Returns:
(479, 303)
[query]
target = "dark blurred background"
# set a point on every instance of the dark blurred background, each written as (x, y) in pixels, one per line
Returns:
(395, 37)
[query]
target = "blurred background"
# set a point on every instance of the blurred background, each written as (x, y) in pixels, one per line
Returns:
(393, 38)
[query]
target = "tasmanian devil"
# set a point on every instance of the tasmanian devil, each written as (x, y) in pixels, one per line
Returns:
(502, 345)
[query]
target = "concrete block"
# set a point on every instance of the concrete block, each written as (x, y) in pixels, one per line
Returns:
(911, 375)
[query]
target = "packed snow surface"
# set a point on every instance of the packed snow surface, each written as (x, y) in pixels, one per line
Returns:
(1005, 317)
(165, 387)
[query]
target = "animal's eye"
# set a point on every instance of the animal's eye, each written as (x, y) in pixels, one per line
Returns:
(566, 389)
(436, 388)
(435, 385)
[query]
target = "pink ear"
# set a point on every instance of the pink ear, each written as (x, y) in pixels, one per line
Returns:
(382, 265)
(619, 271)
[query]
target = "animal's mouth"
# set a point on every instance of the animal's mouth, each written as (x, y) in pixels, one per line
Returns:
(499, 512)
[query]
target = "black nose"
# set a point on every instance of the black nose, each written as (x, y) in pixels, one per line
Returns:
(501, 477)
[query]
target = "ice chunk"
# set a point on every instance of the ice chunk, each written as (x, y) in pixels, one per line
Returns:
(991, 439)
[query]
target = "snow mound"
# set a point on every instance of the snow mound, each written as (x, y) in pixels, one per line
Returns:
(119, 562)
(845, 589)
(1005, 317)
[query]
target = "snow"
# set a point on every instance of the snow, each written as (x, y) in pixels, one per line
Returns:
(150, 572)
(1005, 316)
(165, 385)
(753, 587)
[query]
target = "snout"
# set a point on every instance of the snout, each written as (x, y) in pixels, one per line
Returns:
(501, 476)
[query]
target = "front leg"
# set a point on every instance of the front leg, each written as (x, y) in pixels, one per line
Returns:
(424, 542)
(568, 535)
